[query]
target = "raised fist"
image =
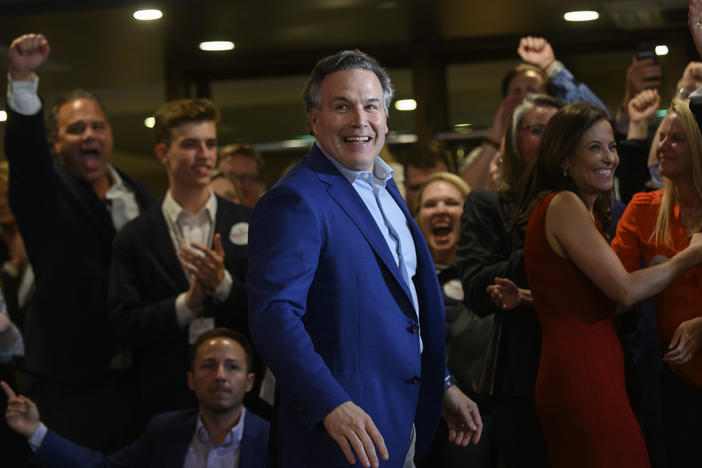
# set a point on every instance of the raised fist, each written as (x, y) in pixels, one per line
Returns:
(537, 51)
(26, 53)
(644, 105)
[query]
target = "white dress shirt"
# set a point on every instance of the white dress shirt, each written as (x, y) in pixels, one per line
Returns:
(184, 229)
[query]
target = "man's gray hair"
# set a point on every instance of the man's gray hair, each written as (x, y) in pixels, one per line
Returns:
(345, 60)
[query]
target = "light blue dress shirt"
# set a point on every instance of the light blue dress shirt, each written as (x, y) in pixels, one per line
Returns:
(203, 453)
(391, 221)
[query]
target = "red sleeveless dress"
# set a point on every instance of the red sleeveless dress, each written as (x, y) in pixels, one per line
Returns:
(580, 392)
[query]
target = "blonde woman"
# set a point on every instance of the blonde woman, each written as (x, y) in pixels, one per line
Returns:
(655, 226)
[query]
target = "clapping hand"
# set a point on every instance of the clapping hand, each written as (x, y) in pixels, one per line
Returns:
(507, 296)
(206, 265)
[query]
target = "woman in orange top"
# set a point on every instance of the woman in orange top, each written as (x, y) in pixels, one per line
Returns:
(655, 226)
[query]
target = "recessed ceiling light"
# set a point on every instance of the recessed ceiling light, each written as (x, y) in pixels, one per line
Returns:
(585, 15)
(147, 15)
(3, 116)
(150, 122)
(405, 104)
(661, 49)
(216, 45)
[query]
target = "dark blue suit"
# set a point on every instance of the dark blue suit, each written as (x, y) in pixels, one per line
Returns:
(164, 444)
(332, 318)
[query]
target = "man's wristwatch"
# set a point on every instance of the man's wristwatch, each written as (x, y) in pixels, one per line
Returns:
(449, 382)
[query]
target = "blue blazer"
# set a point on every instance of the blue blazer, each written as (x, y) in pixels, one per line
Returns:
(164, 444)
(331, 316)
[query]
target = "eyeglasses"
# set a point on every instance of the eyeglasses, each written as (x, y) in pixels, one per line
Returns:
(534, 130)
(247, 178)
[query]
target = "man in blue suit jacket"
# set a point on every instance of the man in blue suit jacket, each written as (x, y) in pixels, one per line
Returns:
(344, 302)
(222, 428)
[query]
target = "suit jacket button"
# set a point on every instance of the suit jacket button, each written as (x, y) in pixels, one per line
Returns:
(414, 328)
(414, 380)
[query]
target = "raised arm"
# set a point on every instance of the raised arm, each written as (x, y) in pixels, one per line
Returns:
(640, 75)
(26, 54)
(561, 82)
(694, 22)
(22, 414)
(641, 110)
(570, 231)
(52, 450)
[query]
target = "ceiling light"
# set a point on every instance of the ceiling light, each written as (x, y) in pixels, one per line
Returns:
(405, 104)
(585, 15)
(661, 49)
(147, 15)
(216, 45)
(150, 122)
(3, 116)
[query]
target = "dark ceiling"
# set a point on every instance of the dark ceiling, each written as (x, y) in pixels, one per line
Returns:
(450, 54)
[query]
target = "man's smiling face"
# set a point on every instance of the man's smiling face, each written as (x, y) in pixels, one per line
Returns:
(350, 123)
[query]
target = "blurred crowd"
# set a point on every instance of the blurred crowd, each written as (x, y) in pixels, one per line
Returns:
(566, 248)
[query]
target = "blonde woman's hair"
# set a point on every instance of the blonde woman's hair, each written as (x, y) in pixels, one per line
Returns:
(452, 179)
(661, 233)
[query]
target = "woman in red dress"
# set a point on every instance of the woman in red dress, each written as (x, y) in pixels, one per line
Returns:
(576, 281)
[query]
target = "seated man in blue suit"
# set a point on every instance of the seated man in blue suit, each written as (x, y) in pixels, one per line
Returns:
(344, 302)
(180, 268)
(219, 375)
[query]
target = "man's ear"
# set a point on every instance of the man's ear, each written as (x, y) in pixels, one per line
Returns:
(54, 145)
(161, 150)
(313, 115)
(250, 378)
(190, 381)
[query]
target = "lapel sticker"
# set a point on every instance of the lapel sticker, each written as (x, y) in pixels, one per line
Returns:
(454, 290)
(239, 234)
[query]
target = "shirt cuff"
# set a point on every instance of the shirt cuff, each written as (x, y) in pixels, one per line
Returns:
(9, 270)
(696, 96)
(183, 313)
(22, 96)
(557, 68)
(38, 437)
(221, 293)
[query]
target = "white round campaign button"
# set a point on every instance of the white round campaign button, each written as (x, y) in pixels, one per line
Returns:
(239, 234)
